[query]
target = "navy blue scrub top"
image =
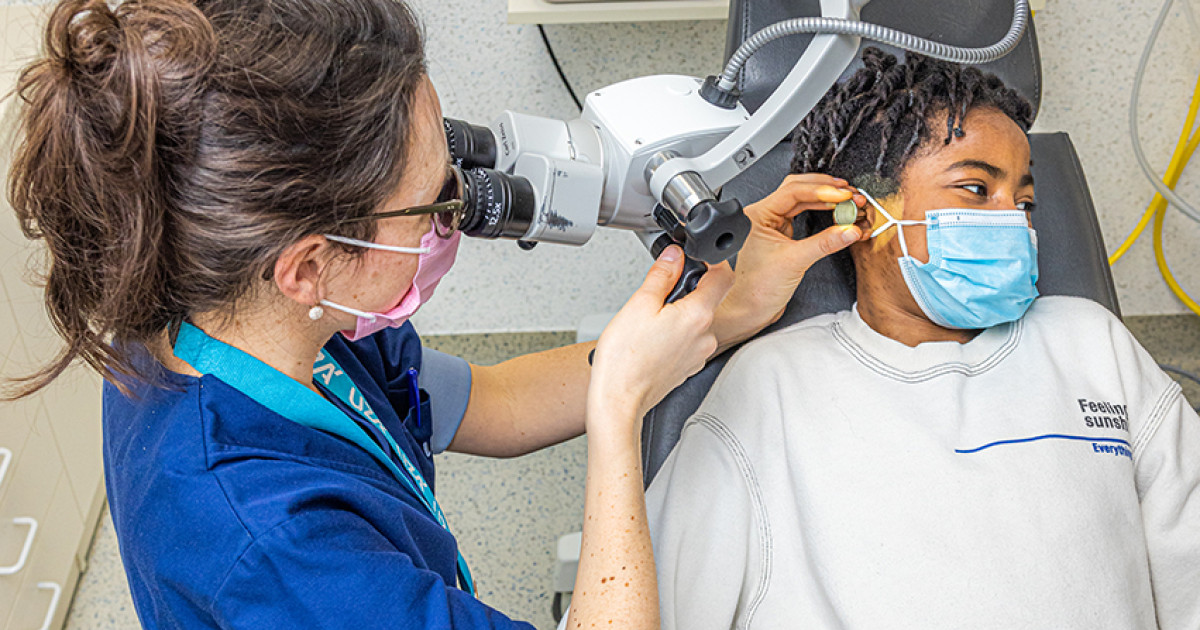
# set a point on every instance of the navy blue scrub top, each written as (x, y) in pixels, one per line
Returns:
(232, 516)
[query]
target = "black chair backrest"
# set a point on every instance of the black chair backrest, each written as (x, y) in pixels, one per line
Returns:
(1071, 253)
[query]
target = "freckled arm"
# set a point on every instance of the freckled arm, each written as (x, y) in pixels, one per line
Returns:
(526, 403)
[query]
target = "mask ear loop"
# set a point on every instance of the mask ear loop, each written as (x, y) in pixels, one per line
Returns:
(369, 245)
(892, 221)
(347, 309)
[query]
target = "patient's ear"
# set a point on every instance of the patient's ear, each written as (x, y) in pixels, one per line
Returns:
(894, 204)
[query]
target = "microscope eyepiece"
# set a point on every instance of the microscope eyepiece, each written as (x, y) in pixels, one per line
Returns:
(496, 205)
(471, 146)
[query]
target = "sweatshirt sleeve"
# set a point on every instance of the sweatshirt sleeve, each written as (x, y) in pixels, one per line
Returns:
(710, 534)
(1168, 484)
(331, 569)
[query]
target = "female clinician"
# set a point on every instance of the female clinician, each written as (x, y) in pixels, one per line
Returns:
(236, 200)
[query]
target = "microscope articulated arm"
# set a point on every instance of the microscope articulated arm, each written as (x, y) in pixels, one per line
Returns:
(816, 71)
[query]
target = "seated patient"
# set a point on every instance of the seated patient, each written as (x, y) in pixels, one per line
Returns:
(951, 452)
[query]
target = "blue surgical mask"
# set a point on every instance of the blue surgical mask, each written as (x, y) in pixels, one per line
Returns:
(982, 267)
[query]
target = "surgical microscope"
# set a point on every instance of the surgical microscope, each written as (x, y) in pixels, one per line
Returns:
(650, 154)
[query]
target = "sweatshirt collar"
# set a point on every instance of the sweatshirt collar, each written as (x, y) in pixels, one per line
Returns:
(927, 360)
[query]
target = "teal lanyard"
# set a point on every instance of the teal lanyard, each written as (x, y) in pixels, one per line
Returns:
(288, 398)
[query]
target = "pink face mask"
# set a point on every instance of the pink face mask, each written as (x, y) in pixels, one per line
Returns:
(436, 257)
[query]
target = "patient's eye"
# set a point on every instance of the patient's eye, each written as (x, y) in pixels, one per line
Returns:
(978, 190)
(1027, 206)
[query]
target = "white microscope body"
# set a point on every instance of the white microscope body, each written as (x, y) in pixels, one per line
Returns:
(649, 154)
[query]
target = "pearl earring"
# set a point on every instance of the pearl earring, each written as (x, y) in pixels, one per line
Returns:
(316, 313)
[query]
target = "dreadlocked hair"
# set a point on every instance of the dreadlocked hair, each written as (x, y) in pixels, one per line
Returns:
(866, 129)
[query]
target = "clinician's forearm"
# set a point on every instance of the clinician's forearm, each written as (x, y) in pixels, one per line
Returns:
(526, 403)
(616, 586)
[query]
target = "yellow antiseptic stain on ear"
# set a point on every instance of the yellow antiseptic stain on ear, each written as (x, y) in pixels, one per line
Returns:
(894, 204)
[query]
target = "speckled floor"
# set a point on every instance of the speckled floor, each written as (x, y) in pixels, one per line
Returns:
(508, 514)
(1173, 340)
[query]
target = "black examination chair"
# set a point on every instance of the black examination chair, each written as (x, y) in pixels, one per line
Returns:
(1071, 253)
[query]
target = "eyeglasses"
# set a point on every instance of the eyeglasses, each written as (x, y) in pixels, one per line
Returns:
(447, 209)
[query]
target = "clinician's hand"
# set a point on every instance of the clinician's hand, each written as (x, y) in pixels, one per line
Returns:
(645, 351)
(650, 348)
(770, 265)
(537, 400)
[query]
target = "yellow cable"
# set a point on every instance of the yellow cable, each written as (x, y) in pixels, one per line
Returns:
(1158, 207)
(1133, 236)
(1155, 205)
(1184, 148)
(1158, 202)
(1161, 258)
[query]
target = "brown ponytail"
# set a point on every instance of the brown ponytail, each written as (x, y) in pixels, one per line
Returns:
(171, 150)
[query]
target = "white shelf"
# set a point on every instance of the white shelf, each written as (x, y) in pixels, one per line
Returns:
(542, 12)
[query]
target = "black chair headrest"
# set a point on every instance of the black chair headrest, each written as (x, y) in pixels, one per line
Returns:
(958, 22)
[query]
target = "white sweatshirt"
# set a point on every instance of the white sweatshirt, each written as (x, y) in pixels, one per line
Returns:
(1044, 475)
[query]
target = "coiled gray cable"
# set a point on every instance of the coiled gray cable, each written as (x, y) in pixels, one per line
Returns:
(875, 32)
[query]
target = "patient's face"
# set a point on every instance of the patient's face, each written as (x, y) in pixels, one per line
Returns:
(986, 169)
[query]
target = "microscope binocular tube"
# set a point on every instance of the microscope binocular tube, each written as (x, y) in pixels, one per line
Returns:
(596, 170)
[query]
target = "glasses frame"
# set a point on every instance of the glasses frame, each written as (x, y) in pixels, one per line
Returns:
(454, 206)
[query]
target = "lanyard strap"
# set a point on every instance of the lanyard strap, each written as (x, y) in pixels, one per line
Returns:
(335, 379)
(288, 398)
